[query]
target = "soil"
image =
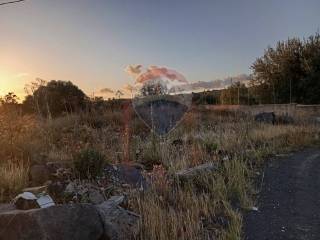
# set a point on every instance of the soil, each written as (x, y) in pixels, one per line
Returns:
(289, 202)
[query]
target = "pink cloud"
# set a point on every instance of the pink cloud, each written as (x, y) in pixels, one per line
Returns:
(158, 72)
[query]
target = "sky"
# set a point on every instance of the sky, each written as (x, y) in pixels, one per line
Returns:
(90, 42)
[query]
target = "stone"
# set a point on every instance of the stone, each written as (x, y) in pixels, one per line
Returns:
(6, 207)
(284, 119)
(116, 200)
(126, 173)
(95, 196)
(26, 201)
(39, 174)
(265, 117)
(71, 188)
(119, 224)
(36, 190)
(65, 222)
(192, 173)
(84, 192)
(56, 190)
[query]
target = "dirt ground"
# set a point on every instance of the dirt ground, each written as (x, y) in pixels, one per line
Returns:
(289, 202)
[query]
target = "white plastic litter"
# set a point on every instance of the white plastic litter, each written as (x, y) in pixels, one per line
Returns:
(26, 196)
(254, 209)
(45, 201)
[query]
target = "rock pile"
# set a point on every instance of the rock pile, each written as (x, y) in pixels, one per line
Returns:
(70, 221)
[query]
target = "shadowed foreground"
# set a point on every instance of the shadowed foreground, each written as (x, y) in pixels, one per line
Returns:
(289, 204)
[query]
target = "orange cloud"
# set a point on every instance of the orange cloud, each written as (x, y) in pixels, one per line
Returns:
(158, 72)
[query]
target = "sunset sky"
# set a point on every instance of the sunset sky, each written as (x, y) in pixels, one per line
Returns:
(90, 42)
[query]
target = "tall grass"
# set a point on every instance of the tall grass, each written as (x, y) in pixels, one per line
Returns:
(14, 177)
(208, 208)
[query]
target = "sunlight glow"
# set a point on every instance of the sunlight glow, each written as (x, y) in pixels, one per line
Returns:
(12, 82)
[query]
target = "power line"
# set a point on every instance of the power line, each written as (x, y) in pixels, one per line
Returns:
(5, 3)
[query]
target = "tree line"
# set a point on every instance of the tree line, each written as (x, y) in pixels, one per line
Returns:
(286, 73)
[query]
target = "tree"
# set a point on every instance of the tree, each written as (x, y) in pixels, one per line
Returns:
(237, 93)
(55, 98)
(289, 72)
(119, 94)
(309, 87)
(9, 99)
(9, 102)
(153, 88)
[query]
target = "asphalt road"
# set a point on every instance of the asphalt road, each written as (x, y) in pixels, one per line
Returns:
(289, 203)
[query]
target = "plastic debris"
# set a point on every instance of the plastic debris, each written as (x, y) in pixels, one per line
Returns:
(28, 200)
(26, 196)
(45, 201)
(254, 209)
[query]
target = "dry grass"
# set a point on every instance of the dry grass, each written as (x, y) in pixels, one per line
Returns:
(185, 213)
(14, 177)
(209, 208)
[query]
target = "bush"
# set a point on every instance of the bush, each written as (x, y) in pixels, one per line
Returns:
(89, 164)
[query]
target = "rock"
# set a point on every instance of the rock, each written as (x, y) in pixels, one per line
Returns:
(95, 196)
(66, 222)
(265, 117)
(56, 190)
(71, 188)
(284, 119)
(54, 166)
(116, 200)
(26, 201)
(192, 173)
(119, 224)
(84, 192)
(39, 174)
(7, 207)
(126, 174)
(36, 190)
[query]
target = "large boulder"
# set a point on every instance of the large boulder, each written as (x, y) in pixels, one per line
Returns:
(65, 222)
(284, 119)
(265, 117)
(119, 224)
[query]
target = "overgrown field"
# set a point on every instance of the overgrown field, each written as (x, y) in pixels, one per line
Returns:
(209, 207)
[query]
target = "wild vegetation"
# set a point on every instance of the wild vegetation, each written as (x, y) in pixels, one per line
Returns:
(58, 123)
(208, 207)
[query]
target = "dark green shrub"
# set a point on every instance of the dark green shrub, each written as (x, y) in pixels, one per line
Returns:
(89, 164)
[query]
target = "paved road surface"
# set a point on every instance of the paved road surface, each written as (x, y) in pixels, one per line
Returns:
(289, 204)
